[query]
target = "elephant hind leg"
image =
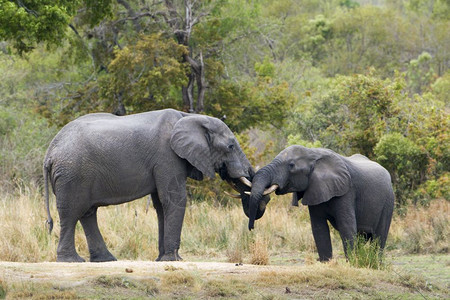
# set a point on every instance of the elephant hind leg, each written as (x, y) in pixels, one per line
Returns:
(159, 212)
(66, 247)
(382, 229)
(97, 247)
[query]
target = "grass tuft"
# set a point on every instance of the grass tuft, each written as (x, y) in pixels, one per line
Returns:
(150, 287)
(259, 252)
(3, 289)
(225, 288)
(178, 277)
(114, 281)
(365, 254)
(44, 291)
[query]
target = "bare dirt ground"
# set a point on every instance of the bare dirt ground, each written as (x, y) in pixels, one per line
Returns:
(421, 277)
(72, 274)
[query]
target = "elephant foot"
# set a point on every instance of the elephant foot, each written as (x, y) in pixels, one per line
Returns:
(103, 257)
(325, 260)
(75, 258)
(172, 256)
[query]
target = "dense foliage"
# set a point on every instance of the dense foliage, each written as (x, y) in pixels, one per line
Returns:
(351, 76)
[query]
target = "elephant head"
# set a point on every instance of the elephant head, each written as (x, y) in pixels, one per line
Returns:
(210, 147)
(316, 175)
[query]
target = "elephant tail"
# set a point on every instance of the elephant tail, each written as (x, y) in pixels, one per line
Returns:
(49, 217)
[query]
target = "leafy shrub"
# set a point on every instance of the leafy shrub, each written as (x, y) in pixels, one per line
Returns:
(439, 188)
(294, 139)
(7, 121)
(433, 189)
(404, 160)
(22, 149)
(441, 88)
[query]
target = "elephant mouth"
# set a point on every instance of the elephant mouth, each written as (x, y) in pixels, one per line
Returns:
(226, 175)
(281, 191)
(285, 190)
(223, 172)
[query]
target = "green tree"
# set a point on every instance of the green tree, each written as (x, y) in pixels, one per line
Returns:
(441, 88)
(420, 74)
(353, 115)
(147, 75)
(28, 23)
(405, 161)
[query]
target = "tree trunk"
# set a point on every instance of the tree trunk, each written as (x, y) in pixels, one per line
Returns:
(201, 85)
(182, 30)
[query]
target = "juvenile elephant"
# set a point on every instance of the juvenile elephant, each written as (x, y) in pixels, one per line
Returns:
(102, 159)
(353, 193)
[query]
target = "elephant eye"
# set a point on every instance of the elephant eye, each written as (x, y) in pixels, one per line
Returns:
(230, 147)
(291, 165)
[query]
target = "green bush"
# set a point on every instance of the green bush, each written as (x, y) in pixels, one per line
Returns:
(433, 189)
(22, 148)
(7, 121)
(295, 139)
(405, 161)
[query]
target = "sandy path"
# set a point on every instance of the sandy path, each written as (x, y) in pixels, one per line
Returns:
(77, 273)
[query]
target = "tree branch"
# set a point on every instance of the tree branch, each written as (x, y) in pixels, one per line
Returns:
(131, 13)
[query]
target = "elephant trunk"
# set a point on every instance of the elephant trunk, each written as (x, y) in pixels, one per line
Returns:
(258, 201)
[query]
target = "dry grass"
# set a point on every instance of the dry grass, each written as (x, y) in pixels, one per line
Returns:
(333, 280)
(259, 253)
(422, 230)
(210, 231)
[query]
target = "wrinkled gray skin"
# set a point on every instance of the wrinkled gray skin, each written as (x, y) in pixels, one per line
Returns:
(353, 193)
(102, 159)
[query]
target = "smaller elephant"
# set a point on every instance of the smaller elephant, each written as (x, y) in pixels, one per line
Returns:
(353, 193)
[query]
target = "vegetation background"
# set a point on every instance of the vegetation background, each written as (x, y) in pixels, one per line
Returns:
(368, 77)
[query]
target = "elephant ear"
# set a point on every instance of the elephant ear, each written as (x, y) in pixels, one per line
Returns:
(191, 140)
(330, 178)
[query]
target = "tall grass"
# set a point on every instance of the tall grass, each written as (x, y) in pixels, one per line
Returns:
(365, 254)
(422, 230)
(211, 231)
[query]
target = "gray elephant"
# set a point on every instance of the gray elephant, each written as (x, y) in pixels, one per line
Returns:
(102, 159)
(353, 193)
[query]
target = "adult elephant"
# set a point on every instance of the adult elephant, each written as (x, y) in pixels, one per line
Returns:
(102, 159)
(353, 193)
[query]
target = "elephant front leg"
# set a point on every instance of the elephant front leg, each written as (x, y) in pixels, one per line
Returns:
(321, 233)
(174, 206)
(346, 225)
(97, 247)
(173, 221)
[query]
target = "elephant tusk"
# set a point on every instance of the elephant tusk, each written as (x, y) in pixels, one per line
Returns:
(232, 195)
(245, 181)
(248, 192)
(270, 190)
(233, 186)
